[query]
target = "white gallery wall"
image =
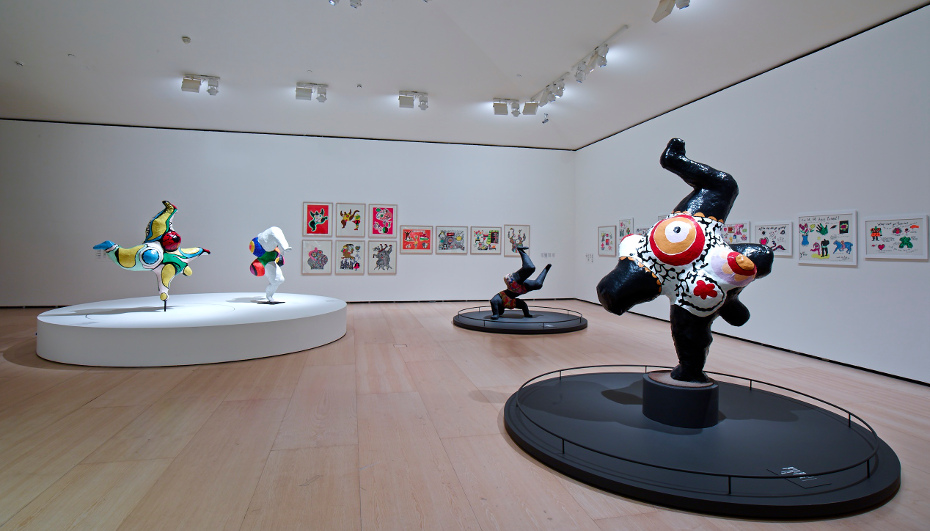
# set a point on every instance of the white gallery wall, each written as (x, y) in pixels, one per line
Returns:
(844, 128)
(69, 187)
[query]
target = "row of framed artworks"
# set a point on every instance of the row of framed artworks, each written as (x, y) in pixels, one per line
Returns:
(829, 238)
(350, 256)
(349, 220)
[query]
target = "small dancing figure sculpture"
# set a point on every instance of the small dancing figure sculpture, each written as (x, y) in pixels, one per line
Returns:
(686, 259)
(517, 284)
(267, 248)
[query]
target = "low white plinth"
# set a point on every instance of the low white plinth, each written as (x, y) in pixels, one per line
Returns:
(196, 329)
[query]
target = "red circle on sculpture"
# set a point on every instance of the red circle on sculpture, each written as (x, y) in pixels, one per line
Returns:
(170, 241)
(678, 240)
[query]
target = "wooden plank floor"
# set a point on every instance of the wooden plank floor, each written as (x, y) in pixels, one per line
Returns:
(396, 426)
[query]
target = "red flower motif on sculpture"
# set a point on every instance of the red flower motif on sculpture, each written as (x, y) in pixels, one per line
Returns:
(705, 289)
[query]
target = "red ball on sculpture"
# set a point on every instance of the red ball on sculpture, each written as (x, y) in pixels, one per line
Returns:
(170, 241)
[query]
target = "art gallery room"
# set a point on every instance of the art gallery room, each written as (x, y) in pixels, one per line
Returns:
(446, 264)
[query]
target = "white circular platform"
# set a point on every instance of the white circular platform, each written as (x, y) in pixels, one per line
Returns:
(196, 329)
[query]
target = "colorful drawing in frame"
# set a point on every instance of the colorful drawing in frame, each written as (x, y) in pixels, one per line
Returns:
(350, 220)
(624, 228)
(896, 237)
(485, 240)
(775, 235)
(828, 238)
(316, 257)
(607, 241)
(451, 240)
(642, 231)
(349, 257)
(382, 221)
(737, 232)
(382, 257)
(160, 252)
(317, 218)
(515, 236)
(416, 239)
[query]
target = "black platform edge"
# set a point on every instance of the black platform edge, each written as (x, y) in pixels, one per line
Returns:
(884, 476)
(544, 321)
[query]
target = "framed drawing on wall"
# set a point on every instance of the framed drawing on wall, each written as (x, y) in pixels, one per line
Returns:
(485, 240)
(896, 237)
(828, 238)
(349, 258)
(350, 220)
(624, 228)
(451, 240)
(382, 257)
(642, 231)
(316, 219)
(516, 235)
(737, 232)
(416, 239)
(607, 240)
(382, 221)
(775, 235)
(316, 257)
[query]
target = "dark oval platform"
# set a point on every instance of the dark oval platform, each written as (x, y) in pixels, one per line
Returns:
(545, 320)
(769, 456)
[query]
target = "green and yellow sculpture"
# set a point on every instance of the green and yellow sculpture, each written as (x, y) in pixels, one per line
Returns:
(160, 252)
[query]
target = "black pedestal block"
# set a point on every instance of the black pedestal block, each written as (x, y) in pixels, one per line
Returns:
(682, 406)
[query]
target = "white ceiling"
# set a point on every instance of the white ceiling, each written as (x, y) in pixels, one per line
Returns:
(121, 62)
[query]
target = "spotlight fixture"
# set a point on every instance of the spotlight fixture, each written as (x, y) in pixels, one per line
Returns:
(192, 82)
(305, 91)
(666, 6)
(501, 107)
(405, 99)
(355, 3)
(333, 2)
(529, 108)
(546, 119)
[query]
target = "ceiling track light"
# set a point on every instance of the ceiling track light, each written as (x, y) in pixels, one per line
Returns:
(597, 58)
(192, 82)
(666, 6)
(405, 99)
(305, 91)
(501, 106)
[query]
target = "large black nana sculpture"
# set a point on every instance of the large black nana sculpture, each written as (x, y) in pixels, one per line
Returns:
(686, 258)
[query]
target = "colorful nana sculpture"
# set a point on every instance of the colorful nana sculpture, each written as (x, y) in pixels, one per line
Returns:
(160, 252)
(517, 284)
(686, 259)
(267, 248)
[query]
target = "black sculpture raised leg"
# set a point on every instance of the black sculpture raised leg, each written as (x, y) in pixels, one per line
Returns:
(686, 258)
(517, 284)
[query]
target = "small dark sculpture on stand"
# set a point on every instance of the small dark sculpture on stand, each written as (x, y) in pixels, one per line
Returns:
(517, 284)
(686, 258)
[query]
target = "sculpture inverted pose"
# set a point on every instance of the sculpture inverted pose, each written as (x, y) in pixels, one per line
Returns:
(160, 252)
(686, 258)
(267, 248)
(517, 284)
